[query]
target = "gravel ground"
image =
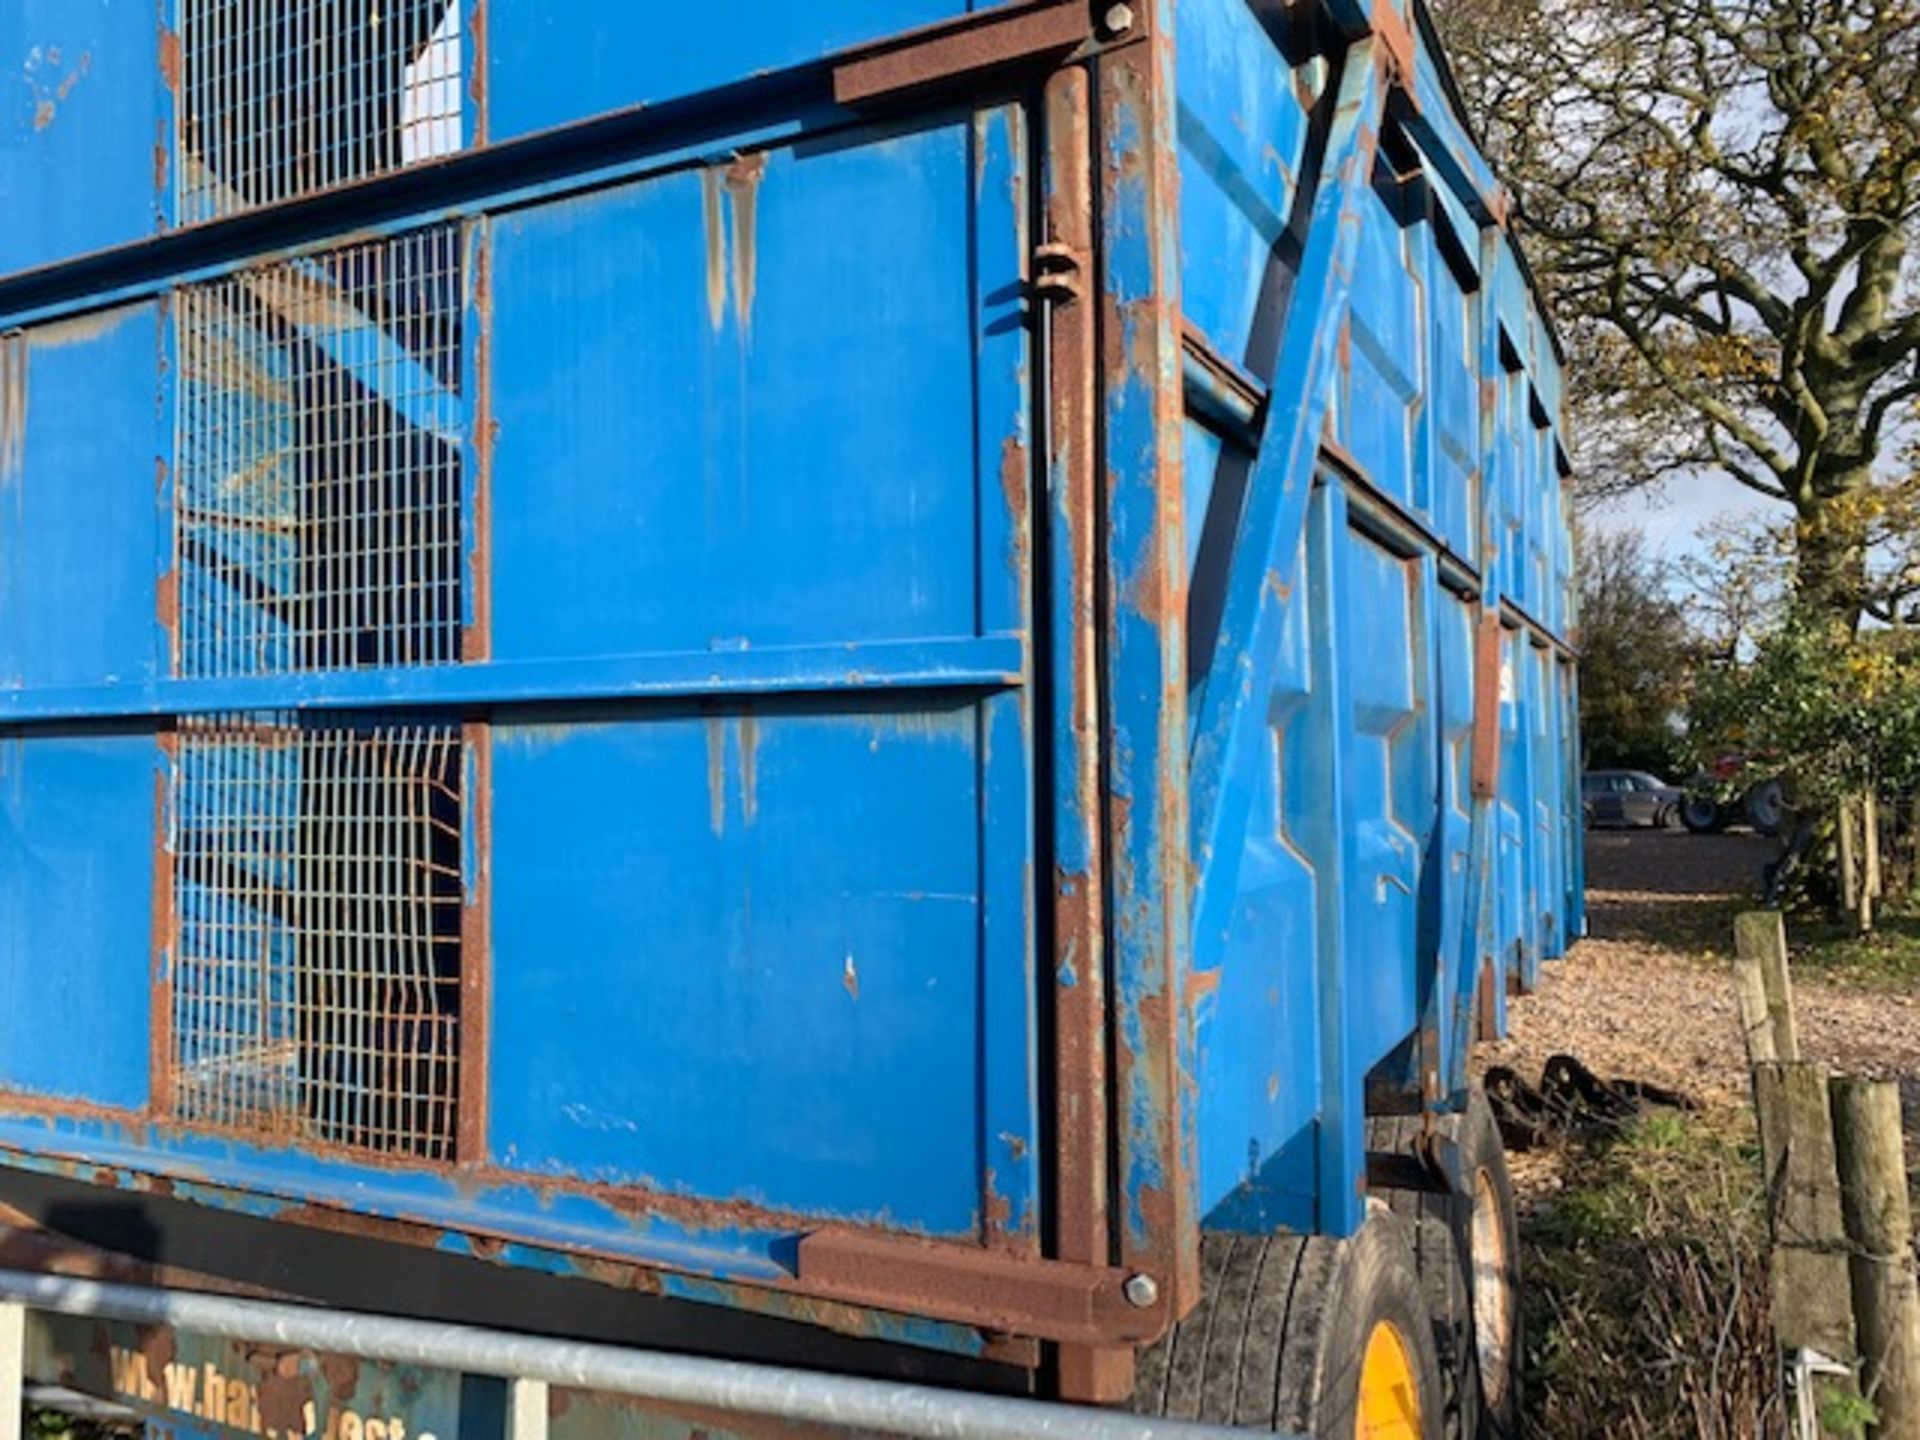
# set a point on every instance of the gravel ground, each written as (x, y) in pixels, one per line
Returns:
(1645, 996)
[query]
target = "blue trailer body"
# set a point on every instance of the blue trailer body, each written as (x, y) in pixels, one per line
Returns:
(865, 664)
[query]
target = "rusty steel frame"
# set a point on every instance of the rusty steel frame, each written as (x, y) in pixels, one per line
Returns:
(1083, 1135)
(952, 52)
(533, 1363)
(1143, 596)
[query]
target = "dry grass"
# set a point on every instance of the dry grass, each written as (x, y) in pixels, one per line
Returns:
(1647, 1288)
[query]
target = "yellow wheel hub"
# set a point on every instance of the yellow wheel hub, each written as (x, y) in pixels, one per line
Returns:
(1389, 1406)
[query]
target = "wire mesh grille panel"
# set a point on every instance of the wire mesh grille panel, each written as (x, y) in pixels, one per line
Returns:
(318, 885)
(319, 450)
(283, 98)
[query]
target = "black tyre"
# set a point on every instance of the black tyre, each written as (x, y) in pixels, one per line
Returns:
(1437, 1226)
(1702, 814)
(1303, 1334)
(1467, 1254)
(1766, 807)
(1492, 1254)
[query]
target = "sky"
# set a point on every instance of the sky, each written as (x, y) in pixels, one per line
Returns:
(1671, 515)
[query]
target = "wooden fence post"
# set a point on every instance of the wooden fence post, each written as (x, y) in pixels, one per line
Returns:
(1812, 1286)
(1851, 886)
(1871, 876)
(1879, 1224)
(1760, 950)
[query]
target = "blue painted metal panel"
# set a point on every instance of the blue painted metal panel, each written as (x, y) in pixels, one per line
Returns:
(1258, 1023)
(808, 1035)
(82, 118)
(79, 523)
(1242, 135)
(77, 827)
(1381, 378)
(1387, 792)
(761, 404)
(1273, 562)
(549, 63)
(1450, 465)
(1453, 856)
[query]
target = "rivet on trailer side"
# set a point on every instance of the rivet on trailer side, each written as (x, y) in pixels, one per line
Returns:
(891, 690)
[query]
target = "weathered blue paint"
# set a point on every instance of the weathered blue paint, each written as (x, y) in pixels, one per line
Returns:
(548, 65)
(780, 769)
(81, 102)
(76, 831)
(935, 663)
(77, 607)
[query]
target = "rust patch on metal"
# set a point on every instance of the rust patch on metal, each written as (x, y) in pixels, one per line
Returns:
(281, 1393)
(342, 1373)
(477, 80)
(1014, 468)
(158, 1348)
(1081, 1214)
(1013, 1294)
(1484, 764)
(162, 158)
(170, 59)
(995, 1291)
(953, 51)
(166, 611)
(334, 1221)
(996, 1216)
(1141, 350)
(74, 77)
(43, 114)
(850, 979)
(749, 741)
(1396, 48)
(476, 957)
(165, 923)
(716, 774)
(477, 641)
(743, 179)
(1096, 1374)
(716, 247)
(13, 404)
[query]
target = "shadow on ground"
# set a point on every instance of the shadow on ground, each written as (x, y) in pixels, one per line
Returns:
(1669, 888)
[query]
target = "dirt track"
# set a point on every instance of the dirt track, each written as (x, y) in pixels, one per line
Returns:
(1647, 996)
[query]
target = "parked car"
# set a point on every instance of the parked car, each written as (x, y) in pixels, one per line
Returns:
(1629, 797)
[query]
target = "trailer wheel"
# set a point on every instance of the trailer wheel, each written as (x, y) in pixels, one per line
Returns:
(1437, 1226)
(1303, 1334)
(1467, 1252)
(1492, 1252)
(1766, 807)
(1701, 814)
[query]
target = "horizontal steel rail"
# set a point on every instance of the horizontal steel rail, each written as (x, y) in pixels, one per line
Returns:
(533, 1363)
(960, 663)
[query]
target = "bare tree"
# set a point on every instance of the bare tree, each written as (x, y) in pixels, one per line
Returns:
(1636, 653)
(1723, 198)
